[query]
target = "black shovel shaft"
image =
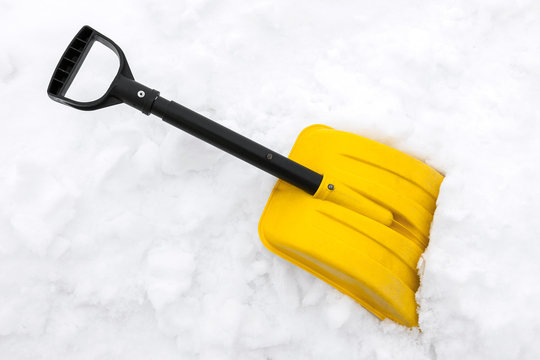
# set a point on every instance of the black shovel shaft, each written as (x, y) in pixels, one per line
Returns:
(237, 145)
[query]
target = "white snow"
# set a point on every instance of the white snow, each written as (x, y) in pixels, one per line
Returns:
(123, 238)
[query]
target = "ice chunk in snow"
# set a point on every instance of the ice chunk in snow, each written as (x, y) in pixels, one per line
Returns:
(339, 311)
(182, 153)
(7, 70)
(40, 205)
(169, 273)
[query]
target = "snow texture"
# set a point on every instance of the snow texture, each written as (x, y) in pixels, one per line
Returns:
(123, 238)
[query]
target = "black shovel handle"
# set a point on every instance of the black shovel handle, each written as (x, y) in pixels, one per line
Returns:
(124, 89)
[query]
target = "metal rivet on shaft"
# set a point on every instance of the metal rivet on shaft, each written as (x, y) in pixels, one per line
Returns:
(268, 156)
(141, 94)
(330, 186)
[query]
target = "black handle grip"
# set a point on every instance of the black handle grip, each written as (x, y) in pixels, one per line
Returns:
(122, 89)
(70, 62)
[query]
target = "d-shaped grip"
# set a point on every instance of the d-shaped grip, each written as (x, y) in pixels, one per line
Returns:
(122, 89)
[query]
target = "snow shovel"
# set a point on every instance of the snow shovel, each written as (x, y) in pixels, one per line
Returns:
(351, 211)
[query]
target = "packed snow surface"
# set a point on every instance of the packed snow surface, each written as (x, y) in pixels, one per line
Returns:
(124, 238)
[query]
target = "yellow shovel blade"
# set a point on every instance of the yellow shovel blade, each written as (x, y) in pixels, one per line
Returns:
(365, 229)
